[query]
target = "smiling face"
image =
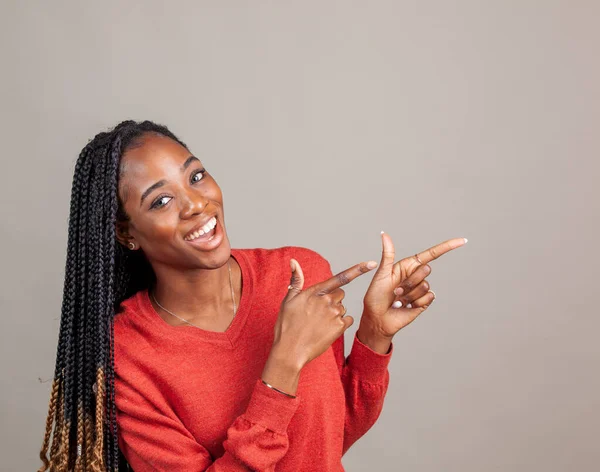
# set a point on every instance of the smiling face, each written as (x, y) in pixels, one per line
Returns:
(170, 200)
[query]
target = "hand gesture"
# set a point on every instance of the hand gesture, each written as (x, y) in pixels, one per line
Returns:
(311, 320)
(398, 292)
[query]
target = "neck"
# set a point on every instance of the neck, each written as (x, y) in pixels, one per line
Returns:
(197, 295)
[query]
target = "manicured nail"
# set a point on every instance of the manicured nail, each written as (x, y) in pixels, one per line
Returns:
(371, 264)
(466, 240)
(409, 306)
(382, 232)
(397, 304)
(432, 292)
(398, 291)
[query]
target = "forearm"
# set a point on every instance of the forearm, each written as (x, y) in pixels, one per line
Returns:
(365, 378)
(256, 440)
(281, 371)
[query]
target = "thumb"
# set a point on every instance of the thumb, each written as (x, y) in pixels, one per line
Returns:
(296, 280)
(348, 321)
(388, 254)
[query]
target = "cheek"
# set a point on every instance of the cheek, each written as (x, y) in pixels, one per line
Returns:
(165, 225)
(156, 228)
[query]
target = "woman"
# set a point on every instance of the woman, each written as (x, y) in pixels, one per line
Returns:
(184, 354)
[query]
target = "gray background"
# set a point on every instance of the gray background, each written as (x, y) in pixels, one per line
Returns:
(325, 123)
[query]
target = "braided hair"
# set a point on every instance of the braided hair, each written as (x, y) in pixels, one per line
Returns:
(81, 427)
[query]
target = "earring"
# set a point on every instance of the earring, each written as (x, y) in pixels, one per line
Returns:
(131, 246)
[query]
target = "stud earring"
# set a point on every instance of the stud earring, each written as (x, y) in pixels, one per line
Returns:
(131, 246)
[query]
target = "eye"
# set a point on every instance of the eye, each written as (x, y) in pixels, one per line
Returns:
(155, 203)
(193, 179)
(195, 174)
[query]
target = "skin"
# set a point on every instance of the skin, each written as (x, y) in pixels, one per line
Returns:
(402, 281)
(189, 277)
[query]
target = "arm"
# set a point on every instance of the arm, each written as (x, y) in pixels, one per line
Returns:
(365, 378)
(153, 440)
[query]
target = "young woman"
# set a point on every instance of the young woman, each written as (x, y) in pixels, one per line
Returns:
(183, 354)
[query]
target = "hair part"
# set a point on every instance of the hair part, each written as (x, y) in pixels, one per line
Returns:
(81, 428)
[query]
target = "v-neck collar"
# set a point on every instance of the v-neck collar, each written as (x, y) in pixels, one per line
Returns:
(233, 331)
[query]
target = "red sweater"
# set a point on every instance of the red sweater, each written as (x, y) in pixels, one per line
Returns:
(191, 400)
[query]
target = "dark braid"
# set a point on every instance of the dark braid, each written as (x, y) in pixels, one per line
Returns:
(99, 274)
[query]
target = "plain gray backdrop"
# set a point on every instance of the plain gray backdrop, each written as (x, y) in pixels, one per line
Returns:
(326, 122)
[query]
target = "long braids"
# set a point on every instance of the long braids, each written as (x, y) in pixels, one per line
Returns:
(81, 427)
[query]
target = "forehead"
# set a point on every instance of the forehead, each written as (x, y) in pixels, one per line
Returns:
(151, 154)
(156, 157)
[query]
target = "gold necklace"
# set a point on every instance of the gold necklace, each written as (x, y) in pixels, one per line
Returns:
(192, 324)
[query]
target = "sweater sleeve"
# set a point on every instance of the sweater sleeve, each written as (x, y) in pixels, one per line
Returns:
(152, 440)
(365, 378)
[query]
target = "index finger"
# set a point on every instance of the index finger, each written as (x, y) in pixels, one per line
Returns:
(343, 278)
(440, 249)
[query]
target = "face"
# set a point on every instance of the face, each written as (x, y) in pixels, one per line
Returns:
(169, 198)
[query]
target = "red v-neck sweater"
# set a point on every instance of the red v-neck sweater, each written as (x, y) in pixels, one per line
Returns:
(191, 400)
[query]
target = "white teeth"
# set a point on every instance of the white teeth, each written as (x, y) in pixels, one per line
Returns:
(205, 229)
(208, 226)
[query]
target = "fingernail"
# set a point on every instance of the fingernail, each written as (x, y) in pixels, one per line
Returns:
(382, 232)
(371, 264)
(397, 304)
(466, 240)
(432, 292)
(292, 265)
(398, 291)
(409, 306)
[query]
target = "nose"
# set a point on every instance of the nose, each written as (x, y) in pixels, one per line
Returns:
(192, 204)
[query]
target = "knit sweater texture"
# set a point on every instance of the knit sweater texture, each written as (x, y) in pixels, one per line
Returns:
(191, 400)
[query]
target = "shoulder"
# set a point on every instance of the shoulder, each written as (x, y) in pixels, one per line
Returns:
(125, 320)
(284, 253)
(277, 261)
(138, 343)
(126, 308)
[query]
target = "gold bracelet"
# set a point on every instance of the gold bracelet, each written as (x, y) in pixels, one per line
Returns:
(277, 390)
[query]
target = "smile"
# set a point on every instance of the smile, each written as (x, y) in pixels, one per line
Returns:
(206, 230)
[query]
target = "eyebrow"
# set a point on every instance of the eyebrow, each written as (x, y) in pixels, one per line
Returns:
(160, 183)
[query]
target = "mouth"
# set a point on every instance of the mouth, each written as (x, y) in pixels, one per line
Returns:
(204, 231)
(208, 236)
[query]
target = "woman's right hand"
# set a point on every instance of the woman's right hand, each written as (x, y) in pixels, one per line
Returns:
(309, 322)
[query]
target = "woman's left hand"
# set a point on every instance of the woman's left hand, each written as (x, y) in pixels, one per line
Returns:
(398, 292)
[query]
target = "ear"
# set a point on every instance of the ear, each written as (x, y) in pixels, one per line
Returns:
(122, 233)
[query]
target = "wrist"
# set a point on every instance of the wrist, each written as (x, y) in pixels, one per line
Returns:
(284, 356)
(375, 341)
(281, 371)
